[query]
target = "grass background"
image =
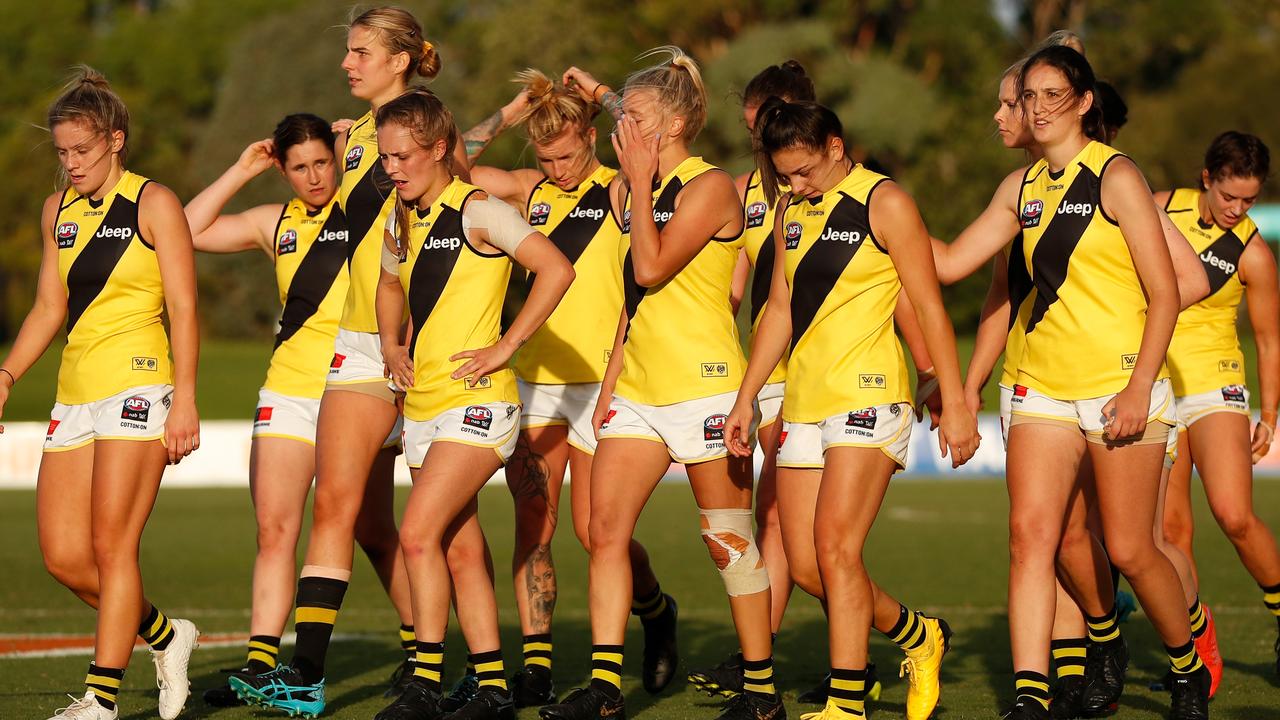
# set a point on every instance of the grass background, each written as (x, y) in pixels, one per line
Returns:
(939, 546)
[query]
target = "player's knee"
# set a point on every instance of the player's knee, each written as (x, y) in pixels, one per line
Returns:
(732, 546)
(806, 577)
(606, 537)
(836, 549)
(1030, 536)
(276, 535)
(334, 510)
(582, 531)
(1236, 523)
(72, 569)
(1132, 553)
(110, 551)
(465, 551)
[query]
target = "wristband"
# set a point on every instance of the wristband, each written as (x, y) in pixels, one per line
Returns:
(594, 90)
(12, 380)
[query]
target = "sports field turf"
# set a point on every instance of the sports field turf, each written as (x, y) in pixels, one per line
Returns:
(939, 546)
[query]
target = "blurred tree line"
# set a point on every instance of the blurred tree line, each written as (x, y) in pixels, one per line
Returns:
(913, 80)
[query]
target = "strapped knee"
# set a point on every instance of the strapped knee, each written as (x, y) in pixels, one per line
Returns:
(732, 544)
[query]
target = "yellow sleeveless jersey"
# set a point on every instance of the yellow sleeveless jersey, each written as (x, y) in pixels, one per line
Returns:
(367, 199)
(1021, 294)
(115, 339)
(757, 235)
(844, 353)
(455, 295)
(573, 345)
(682, 340)
(1085, 324)
(311, 274)
(1205, 351)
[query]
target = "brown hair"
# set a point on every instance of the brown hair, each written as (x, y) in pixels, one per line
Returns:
(552, 109)
(1237, 154)
(87, 97)
(788, 81)
(677, 82)
(428, 121)
(781, 125)
(401, 32)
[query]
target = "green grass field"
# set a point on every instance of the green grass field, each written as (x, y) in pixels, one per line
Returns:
(939, 546)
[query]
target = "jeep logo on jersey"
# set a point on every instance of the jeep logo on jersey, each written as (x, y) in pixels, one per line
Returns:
(1233, 394)
(1082, 209)
(124, 233)
(713, 427)
(793, 235)
(755, 214)
(67, 234)
(1208, 258)
(287, 243)
(588, 213)
(136, 408)
(663, 216)
(865, 418)
(845, 236)
(353, 157)
(435, 243)
(1031, 213)
(539, 213)
(477, 416)
(332, 236)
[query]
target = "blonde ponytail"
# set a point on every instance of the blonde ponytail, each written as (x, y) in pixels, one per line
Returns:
(677, 83)
(551, 109)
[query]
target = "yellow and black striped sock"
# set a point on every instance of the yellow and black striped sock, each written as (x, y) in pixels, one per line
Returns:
(264, 651)
(428, 664)
(848, 692)
(1103, 629)
(1068, 656)
(1198, 620)
(1184, 660)
(757, 677)
(408, 640)
(319, 599)
(909, 632)
(156, 629)
(471, 666)
(606, 669)
(489, 669)
(649, 605)
(1271, 598)
(1030, 685)
(104, 683)
(537, 650)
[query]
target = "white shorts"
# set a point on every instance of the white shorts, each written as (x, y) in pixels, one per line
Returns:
(887, 427)
(543, 405)
(1231, 398)
(1171, 446)
(492, 425)
(1006, 412)
(693, 430)
(770, 402)
(1031, 406)
(357, 359)
(137, 413)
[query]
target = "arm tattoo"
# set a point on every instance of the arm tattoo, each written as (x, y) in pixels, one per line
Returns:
(612, 102)
(478, 138)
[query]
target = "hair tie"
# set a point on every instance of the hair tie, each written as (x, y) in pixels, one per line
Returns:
(427, 47)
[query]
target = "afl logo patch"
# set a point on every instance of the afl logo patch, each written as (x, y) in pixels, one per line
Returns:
(136, 408)
(755, 214)
(713, 427)
(539, 213)
(793, 235)
(1031, 213)
(865, 418)
(353, 157)
(478, 416)
(67, 234)
(1234, 394)
(287, 243)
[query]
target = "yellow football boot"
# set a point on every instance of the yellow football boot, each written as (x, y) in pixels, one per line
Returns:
(921, 668)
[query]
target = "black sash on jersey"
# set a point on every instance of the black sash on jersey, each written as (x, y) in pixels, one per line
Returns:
(89, 274)
(314, 277)
(822, 266)
(1053, 251)
(432, 268)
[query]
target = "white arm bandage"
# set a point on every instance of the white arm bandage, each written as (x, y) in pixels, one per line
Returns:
(391, 261)
(506, 228)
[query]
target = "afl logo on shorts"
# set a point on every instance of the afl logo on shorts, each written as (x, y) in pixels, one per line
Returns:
(67, 234)
(865, 418)
(1233, 394)
(755, 214)
(136, 408)
(713, 427)
(539, 213)
(478, 416)
(353, 157)
(288, 242)
(1031, 213)
(793, 235)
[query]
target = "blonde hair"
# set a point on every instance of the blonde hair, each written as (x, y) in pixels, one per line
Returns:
(87, 97)
(677, 82)
(428, 121)
(552, 109)
(401, 32)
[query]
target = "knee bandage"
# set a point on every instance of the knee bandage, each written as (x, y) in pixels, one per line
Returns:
(732, 545)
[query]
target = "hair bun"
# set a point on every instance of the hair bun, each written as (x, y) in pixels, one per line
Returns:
(429, 65)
